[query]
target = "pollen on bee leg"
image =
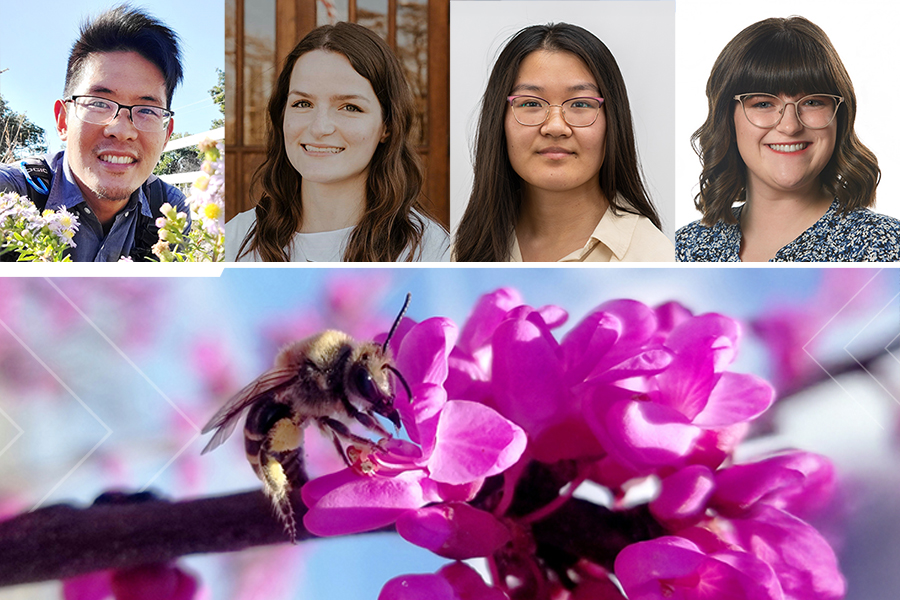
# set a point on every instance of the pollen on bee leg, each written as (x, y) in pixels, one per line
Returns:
(360, 460)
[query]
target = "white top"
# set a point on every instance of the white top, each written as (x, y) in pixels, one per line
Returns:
(618, 237)
(328, 246)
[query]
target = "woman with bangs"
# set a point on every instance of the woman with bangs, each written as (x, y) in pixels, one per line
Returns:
(779, 142)
(341, 180)
(556, 168)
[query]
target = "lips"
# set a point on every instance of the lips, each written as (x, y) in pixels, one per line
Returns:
(555, 152)
(313, 149)
(789, 148)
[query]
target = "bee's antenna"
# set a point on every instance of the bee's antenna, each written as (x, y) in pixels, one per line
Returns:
(394, 329)
(403, 381)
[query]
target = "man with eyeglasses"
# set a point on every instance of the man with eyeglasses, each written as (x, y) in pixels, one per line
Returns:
(115, 120)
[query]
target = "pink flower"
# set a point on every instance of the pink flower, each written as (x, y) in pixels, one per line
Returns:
(680, 413)
(145, 582)
(454, 530)
(801, 483)
(802, 559)
(456, 581)
(677, 568)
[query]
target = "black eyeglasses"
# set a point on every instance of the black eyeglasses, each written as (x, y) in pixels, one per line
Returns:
(100, 111)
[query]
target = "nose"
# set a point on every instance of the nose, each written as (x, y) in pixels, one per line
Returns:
(122, 127)
(790, 119)
(555, 125)
(322, 123)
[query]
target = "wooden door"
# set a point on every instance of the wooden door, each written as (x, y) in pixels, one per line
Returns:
(260, 33)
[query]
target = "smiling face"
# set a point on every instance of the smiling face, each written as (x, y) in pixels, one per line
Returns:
(109, 162)
(332, 120)
(555, 156)
(786, 158)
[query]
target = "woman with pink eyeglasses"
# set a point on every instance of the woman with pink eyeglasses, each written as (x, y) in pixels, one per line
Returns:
(556, 170)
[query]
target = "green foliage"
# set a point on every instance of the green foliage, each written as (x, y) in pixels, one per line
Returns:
(218, 96)
(19, 137)
(183, 160)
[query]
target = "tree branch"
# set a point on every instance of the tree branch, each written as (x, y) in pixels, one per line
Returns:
(61, 541)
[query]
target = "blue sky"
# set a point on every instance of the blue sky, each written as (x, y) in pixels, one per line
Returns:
(36, 56)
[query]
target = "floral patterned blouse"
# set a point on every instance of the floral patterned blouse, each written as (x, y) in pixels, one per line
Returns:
(857, 236)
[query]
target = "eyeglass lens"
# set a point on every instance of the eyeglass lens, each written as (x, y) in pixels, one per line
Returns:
(100, 111)
(577, 112)
(815, 111)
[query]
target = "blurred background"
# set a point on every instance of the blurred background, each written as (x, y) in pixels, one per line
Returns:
(104, 384)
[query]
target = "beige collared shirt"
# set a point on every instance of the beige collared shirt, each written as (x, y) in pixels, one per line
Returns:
(622, 237)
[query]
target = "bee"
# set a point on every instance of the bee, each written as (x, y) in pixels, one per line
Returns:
(329, 380)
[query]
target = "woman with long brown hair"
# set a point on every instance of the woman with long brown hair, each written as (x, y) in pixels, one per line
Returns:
(785, 177)
(341, 180)
(556, 169)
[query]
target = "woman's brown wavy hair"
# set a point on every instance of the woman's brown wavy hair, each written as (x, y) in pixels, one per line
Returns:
(790, 56)
(490, 218)
(391, 221)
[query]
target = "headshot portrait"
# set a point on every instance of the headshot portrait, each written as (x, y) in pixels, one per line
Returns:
(562, 126)
(796, 160)
(100, 97)
(333, 138)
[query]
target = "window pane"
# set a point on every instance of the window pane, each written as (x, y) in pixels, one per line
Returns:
(259, 67)
(230, 86)
(373, 14)
(412, 48)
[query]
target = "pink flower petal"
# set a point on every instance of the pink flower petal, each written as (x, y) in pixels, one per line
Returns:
(734, 399)
(418, 587)
(453, 530)
(804, 562)
(423, 353)
(490, 310)
(684, 495)
(360, 504)
(528, 385)
(672, 567)
(799, 482)
(152, 582)
(474, 441)
(90, 586)
(644, 435)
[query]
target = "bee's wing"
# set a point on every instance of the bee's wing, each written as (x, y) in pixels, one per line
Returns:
(227, 418)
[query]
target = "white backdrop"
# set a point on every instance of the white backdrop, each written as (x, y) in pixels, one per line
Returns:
(641, 36)
(864, 32)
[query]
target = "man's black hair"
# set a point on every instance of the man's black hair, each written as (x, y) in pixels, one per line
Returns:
(122, 29)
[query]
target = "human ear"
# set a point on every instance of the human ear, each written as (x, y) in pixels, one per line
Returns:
(60, 112)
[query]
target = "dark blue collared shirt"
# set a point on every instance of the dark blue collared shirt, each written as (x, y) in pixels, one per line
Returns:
(91, 245)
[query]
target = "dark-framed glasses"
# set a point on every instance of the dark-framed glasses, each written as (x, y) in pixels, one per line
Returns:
(815, 111)
(100, 111)
(533, 111)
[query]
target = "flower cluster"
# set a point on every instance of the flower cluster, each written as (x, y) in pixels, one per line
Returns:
(206, 239)
(36, 236)
(630, 395)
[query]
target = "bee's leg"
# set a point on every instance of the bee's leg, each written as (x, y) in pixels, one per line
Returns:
(339, 431)
(367, 419)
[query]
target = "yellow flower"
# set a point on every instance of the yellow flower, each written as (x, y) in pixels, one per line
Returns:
(212, 211)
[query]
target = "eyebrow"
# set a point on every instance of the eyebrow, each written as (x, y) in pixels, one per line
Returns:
(334, 97)
(99, 89)
(578, 87)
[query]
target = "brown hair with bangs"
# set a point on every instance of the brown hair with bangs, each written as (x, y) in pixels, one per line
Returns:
(790, 56)
(493, 209)
(393, 215)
